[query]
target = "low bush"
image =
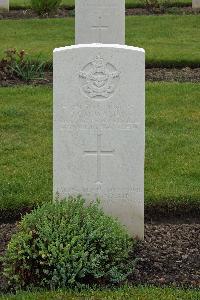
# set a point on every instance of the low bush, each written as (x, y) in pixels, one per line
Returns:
(67, 244)
(152, 5)
(45, 6)
(16, 64)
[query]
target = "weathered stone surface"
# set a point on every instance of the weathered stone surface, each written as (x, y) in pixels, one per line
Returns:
(196, 4)
(100, 21)
(99, 128)
(4, 5)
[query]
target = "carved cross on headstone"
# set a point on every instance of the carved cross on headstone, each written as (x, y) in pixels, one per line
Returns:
(99, 28)
(99, 153)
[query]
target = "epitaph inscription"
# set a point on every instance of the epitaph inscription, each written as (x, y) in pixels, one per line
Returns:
(99, 79)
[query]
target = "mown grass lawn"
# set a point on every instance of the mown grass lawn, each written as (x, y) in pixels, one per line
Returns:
(166, 39)
(128, 293)
(26, 146)
(129, 3)
(172, 145)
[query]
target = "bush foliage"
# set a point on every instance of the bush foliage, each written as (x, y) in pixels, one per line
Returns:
(67, 244)
(45, 6)
(160, 4)
(17, 65)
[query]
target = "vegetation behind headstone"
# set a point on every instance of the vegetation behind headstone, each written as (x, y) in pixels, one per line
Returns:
(45, 6)
(152, 5)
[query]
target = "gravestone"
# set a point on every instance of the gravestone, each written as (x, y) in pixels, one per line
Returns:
(196, 4)
(4, 5)
(100, 21)
(99, 128)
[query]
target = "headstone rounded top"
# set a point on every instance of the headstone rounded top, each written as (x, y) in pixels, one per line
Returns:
(98, 45)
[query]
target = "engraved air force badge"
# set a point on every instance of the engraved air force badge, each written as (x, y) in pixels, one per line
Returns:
(99, 79)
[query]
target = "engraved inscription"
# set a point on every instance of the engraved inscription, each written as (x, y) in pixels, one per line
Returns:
(99, 29)
(98, 114)
(99, 153)
(92, 126)
(130, 194)
(99, 79)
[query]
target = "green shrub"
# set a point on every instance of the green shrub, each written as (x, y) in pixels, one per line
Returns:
(67, 244)
(152, 5)
(16, 64)
(45, 6)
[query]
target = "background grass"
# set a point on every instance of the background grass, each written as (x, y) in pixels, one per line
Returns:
(129, 3)
(168, 40)
(128, 293)
(26, 146)
(172, 145)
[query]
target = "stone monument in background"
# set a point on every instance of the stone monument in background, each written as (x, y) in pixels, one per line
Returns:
(4, 5)
(100, 21)
(196, 4)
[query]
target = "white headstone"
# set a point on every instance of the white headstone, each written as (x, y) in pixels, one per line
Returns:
(100, 21)
(196, 4)
(99, 128)
(4, 5)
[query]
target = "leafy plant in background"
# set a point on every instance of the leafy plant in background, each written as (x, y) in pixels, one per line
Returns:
(152, 5)
(22, 67)
(67, 244)
(5, 72)
(43, 7)
(71, 13)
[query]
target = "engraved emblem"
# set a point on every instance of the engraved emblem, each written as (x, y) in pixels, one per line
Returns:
(99, 79)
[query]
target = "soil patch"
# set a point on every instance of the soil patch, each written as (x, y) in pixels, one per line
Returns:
(181, 75)
(66, 12)
(186, 10)
(7, 80)
(30, 14)
(152, 74)
(169, 254)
